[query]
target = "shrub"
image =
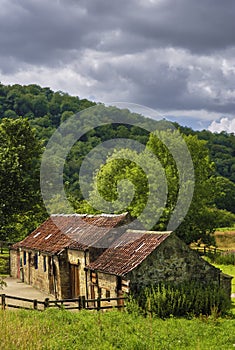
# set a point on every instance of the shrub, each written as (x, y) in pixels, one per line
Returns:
(2, 283)
(186, 299)
(225, 258)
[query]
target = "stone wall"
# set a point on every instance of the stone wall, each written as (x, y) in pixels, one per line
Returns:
(35, 269)
(107, 283)
(173, 261)
(45, 272)
(106, 287)
(225, 281)
(52, 274)
(13, 263)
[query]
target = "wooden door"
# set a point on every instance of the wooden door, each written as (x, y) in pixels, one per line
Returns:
(75, 280)
(119, 291)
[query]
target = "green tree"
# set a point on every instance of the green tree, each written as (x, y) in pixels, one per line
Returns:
(19, 175)
(10, 114)
(199, 223)
(40, 106)
(224, 192)
(143, 171)
(129, 181)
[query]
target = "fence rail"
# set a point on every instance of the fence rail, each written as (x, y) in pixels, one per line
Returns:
(67, 304)
(206, 250)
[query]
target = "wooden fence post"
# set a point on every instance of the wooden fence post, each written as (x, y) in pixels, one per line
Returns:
(46, 303)
(83, 302)
(79, 303)
(3, 301)
(98, 304)
(35, 304)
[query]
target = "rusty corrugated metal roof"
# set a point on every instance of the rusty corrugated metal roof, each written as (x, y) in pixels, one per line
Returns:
(74, 231)
(128, 251)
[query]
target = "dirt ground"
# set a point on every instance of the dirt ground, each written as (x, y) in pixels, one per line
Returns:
(17, 288)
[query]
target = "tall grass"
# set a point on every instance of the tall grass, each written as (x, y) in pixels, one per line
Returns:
(185, 299)
(224, 258)
(64, 330)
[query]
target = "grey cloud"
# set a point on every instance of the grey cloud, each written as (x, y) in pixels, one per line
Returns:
(42, 31)
(151, 79)
(203, 25)
(120, 49)
(199, 26)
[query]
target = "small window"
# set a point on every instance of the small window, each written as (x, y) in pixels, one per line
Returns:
(94, 278)
(44, 263)
(36, 261)
(108, 293)
(25, 258)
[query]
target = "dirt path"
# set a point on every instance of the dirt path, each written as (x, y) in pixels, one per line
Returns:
(19, 289)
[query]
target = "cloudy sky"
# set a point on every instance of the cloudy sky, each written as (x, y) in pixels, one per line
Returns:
(176, 56)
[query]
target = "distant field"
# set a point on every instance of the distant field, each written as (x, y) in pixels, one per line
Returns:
(225, 239)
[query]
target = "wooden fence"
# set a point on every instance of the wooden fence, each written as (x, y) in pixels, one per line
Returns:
(206, 250)
(8, 301)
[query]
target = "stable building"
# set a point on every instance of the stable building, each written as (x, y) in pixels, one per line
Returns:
(53, 257)
(97, 256)
(140, 259)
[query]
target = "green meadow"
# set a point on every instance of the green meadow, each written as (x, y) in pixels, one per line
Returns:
(55, 329)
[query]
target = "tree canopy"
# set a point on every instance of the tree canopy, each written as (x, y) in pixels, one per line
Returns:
(19, 174)
(29, 115)
(144, 177)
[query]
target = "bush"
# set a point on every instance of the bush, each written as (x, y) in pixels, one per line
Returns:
(226, 258)
(184, 299)
(2, 283)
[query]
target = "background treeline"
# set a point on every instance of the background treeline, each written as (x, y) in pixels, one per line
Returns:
(33, 107)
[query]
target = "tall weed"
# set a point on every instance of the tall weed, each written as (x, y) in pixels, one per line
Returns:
(184, 299)
(224, 258)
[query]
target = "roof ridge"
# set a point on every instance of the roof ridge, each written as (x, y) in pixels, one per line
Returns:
(149, 232)
(90, 215)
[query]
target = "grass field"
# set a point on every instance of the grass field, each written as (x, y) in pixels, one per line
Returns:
(225, 239)
(53, 329)
(63, 330)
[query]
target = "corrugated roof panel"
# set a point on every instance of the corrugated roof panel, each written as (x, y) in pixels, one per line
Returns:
(123, 258)
(76, 231)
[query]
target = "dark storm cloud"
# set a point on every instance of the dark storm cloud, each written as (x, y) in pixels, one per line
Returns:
(35, 31)
(203, 25)
(198, 26)
(39, 32)
(166, 54)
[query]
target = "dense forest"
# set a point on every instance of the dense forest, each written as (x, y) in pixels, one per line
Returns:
(31, 114)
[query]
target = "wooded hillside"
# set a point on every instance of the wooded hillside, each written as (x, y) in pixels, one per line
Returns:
(37, 112)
